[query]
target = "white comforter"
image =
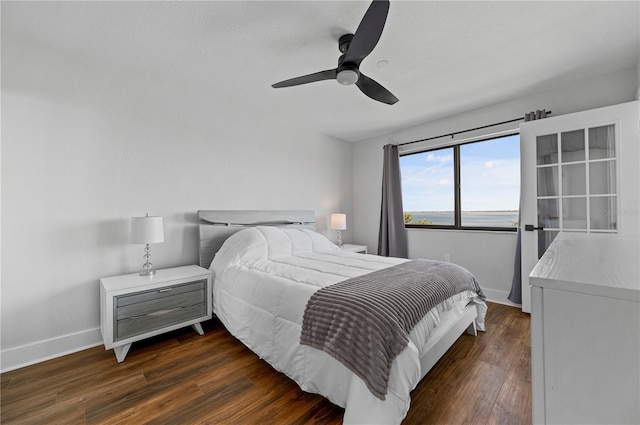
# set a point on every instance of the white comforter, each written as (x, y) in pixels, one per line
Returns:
(263, 278)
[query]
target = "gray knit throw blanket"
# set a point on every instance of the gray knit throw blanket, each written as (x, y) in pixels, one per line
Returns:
(364, 322)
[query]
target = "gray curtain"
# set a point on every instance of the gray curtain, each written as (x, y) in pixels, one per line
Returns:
(392, 238)
(515, 295)
(516, 282)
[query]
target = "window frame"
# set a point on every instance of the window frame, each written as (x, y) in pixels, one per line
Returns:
(457, 213)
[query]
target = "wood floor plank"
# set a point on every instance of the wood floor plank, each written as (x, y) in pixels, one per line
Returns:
(100, 388)
(234, 367)
(182, 377)
(514, 392)
(12, 410)
(4, 382)
(207, 408)
(158, 405)
(54, 414)
(321, 413)
(259, 409)
(131, 398)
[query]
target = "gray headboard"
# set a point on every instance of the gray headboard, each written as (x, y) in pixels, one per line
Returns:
(217, 225)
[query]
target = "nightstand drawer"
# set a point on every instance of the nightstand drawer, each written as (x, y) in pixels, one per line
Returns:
(156, 294)
(145, 311)
(158, 319)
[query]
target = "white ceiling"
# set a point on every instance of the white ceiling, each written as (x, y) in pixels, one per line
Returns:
(445, 57)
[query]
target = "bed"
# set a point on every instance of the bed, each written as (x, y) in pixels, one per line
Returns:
(268, 264)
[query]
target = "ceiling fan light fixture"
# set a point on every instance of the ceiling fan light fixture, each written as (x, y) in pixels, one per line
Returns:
(355, 48)
(346, 77)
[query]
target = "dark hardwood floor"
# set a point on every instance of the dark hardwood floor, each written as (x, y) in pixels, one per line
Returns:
(184, 378)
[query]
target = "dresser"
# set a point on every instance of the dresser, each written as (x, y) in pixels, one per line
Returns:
(585, 331)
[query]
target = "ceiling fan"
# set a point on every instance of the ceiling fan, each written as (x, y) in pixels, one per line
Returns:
(354, 48)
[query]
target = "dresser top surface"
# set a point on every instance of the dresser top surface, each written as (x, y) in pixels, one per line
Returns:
(598, 264)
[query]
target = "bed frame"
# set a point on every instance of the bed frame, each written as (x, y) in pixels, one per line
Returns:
(218, 225)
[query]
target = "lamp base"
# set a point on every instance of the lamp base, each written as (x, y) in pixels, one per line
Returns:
(147, 266)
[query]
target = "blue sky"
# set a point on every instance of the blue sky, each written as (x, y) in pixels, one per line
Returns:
(490, 177)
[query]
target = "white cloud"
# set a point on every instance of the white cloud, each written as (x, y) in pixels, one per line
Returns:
(441, 158)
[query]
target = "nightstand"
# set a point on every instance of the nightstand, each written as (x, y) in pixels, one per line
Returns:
(134, 307)
(362, 249)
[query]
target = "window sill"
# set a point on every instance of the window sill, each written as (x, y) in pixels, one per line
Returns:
(506, 230)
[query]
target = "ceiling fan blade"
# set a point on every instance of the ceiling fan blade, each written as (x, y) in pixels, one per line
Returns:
(375, 91)
(368, 33)
(311, 78)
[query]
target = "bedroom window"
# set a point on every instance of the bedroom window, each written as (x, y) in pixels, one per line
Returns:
(471, 186)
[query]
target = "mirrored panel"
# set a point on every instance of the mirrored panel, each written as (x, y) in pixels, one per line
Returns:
(574, 179)
(603, 213)
(574, 213)
(572, 143)
(547, 149)
(548, 181)
(602, 178)
(602, 142)
(549, 213)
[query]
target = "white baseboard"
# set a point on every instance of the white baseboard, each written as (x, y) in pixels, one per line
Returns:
(499, 297)
(25, 355)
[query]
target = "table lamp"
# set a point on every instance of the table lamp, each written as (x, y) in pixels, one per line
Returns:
(339, 222)
(147, 230)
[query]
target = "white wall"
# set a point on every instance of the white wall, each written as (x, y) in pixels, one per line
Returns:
(86, 147)
(638, 81)
(488, 255)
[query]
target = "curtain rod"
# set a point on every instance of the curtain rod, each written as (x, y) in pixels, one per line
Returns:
(464, 131)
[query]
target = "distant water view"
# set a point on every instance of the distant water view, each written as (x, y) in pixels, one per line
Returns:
(469, 218)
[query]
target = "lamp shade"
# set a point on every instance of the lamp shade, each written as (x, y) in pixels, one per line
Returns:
(146, 230)
(338, 221)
